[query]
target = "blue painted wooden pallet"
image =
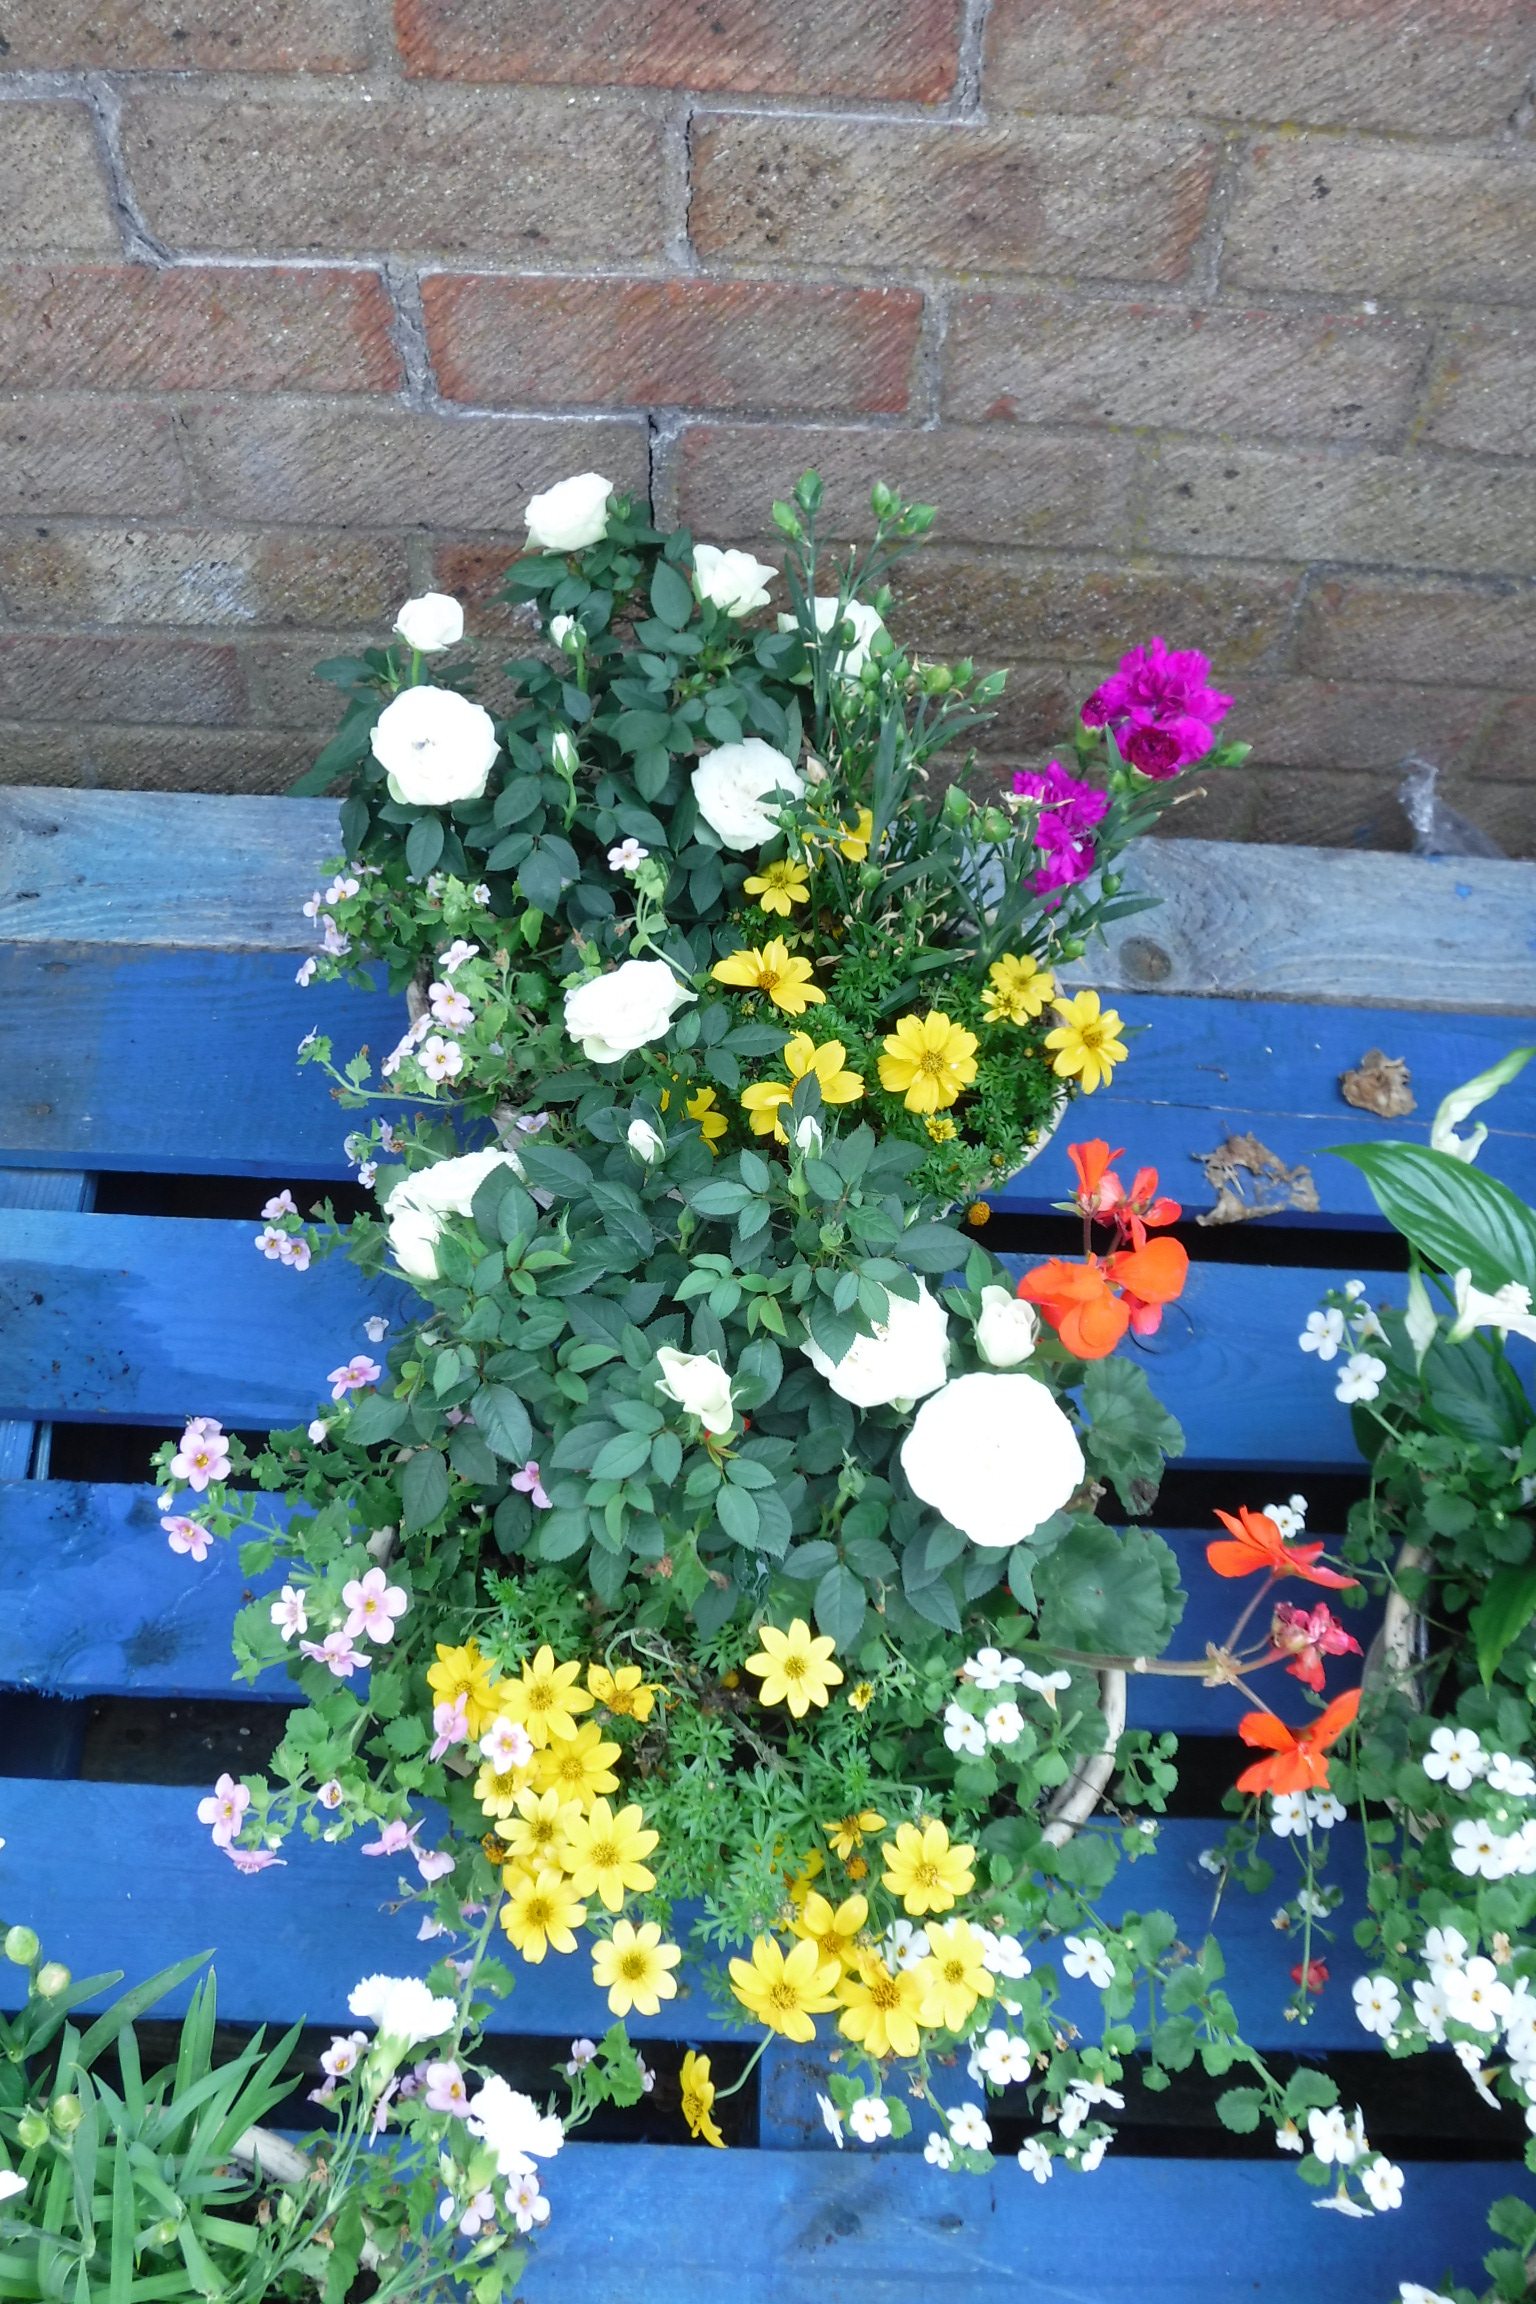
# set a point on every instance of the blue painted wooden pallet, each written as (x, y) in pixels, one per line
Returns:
(1265, 975)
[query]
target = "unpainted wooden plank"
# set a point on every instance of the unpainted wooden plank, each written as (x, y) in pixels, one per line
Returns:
(176, 1062)
(1248, 922)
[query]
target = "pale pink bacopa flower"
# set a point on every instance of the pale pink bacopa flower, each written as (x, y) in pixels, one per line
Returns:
(311, 910)
(184, 1535)
(455, 956)
(342, 887)
(358, 1373)
(527, 1480)
(343, 2054)
(330, 1794)
(373, 1605)
(270, 1243)
(224, 1808)
(337, 1653)
(333, 941)
(203, 1454)
(375, 1327)
(446, 2090)
(450, 1006)
(289, 1613)
(526, 2204)
(306, 972)
(433, 1864)
(296, 1251)
(253, 1859)
(398, 1835)
(507, 1745)
(450, 1725)
(441, 1059)
(365, 1177)
(282, 1205)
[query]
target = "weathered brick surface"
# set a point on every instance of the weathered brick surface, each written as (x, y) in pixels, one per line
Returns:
(1451, 68)
(89, 456)
(281, 688)
(156, 759)
(1086, 611)
(1104, 201)
(1391, 628)
(1507, 752)
(890, 49)
(71, 572)
(81, 676)
(1483, 394)
(993, 486)
(283, 461)
(213, 36)
(475, 573)
(53, 193)
(528, 176)
(1295, 723)
(1292, 504)
(1379, 220)
(124, 327)
(752, 346)
(1089, 360)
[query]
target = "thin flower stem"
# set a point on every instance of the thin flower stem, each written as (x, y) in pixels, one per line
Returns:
(751, 2066)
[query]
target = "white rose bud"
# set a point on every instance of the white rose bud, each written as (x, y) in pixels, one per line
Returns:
(1006, 1330)
(907, 1355)
(433, 620)
(569, 517)
(697, 1382)
(644, 1142)
(865, 625)
(560, 630)
(995, 1455)
(562, 750)
(729, 785)
(419, 1204)
(732, 581)
(615, 1014)
(435, 746)
(808, 1134)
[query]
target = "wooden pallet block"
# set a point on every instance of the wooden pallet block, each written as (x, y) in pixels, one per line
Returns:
(1265, 974)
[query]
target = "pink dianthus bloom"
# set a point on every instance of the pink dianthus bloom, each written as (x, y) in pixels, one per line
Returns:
(1068, 811)
(374, 1603)
(224, 1808)
(184, 1535)
(1160, 707)
(337, 1652)
(359, 1372)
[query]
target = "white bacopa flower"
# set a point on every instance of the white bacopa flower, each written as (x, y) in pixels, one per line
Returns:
(1477, 1848)
(1334, 2139)
(1092, 2156)
(1290, 2138)
(1004, 1723)
(571, 515)
(1455, 1757)
(627, 857)
(1413, 2292)
(1005, 1956)
(989, 1668)
(831, 2119)
(995, 1455)
(869, 2119)
(1046, 1684)
(1323, 1334)
(420, 1204)
(513, 2127)
(697, 1382)
(1290, 1519)
(1035, 2159)
(905, 1358)
(615, 1014)
(733, 581)
(1517, 1777)
(732, 785)
(1325, 1809)
(1382, 2183)
(1360, 1378)
(829, 613)
(433, 620)
(1445, 1949)
(905, 1946)
(402, 2009)
(1377, 2004)
(968, 2128)
(1006, 1328)
(1470, 2057)
(435, 747)
(1086, 1956)
(1476, 1995)
(644, 1142)
(1508, 1308)
(1002, 2058)
(1212, 1860)
(938, 2151)
(963, 1732)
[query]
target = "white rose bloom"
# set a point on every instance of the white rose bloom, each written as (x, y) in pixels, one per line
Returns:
(570, 516)
(907, 1355)
(995, 1455)
(436, 747)
(615, 1014)
(405, 2012)
(431, 621)
(418, 1204)
(697, 1382)
(513, 2126)
(560, 628)
(644, 1141)
(733, 581)
(865, 625)
(729, 786)
(1006, 1331)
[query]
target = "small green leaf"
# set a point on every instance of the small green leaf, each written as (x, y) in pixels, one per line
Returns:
(840, 1606)
(424, 845)
(1502, 1614)
(423, 1490)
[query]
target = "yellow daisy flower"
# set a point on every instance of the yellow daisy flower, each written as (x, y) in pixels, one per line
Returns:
(698, 2099)
(929, 1061)
(832, 1932)
(856, 837)
(711, 1123)
(778, 886)
(845, 1833)
(793, 1667)
(954, 1976)
(786, 980)
(924, 1870)
(546, 1698)
(541, 1909)
(1087, 1041)
(802, 1056)
(602, 1853)
(497, 1794)
(787, 1992)
(465, 1672)
(632, 1966)
(880, 2007)
(624, 1691)
(862, 1696)
(1018, 991)
(537, 1837)
(577, 1767)
(941, 1131)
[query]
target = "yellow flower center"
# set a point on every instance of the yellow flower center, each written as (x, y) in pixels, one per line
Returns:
(953, 1971)
(633, 1966)
(885, 1993)
(926, 1874)
(602, 1853)
(793, 1667)
(541, 1696)
(782, 1995)
(932, 1061)
(538, 1911)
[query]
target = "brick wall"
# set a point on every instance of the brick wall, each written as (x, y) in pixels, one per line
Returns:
(1215, 318)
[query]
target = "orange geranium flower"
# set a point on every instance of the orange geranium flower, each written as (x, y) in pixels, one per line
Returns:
(1148, 1278)
(1296, 1763)
(1091, 1305)
(1257, 1543)
(1096, 1194)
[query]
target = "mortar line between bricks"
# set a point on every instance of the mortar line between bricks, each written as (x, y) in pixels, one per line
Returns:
(928, 360)
(408, 331)
(973, 32)
(1204, 270)
(677, 184)
(139, 243)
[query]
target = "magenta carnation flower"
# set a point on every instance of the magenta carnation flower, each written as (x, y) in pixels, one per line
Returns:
(1069, 810)
(1159, 703)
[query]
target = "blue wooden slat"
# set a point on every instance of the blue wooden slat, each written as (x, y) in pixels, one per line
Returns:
(123, 1057)
(24, 1446)
(647, 2224)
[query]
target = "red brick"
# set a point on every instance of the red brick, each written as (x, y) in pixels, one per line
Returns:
(89, 456)
(523, 174)
(1483, 394)
(1396, 628)
(1087, 360)
(1089, 611)
(1108, 202)
(1385, 220)
(75, 676)
(991, 486)
(70, 572)
(729, 344)
(475, 574)
(1448, 67)
(892, 49)
(212, 36)
(391, 469)
(125, 327)
(53, 193)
